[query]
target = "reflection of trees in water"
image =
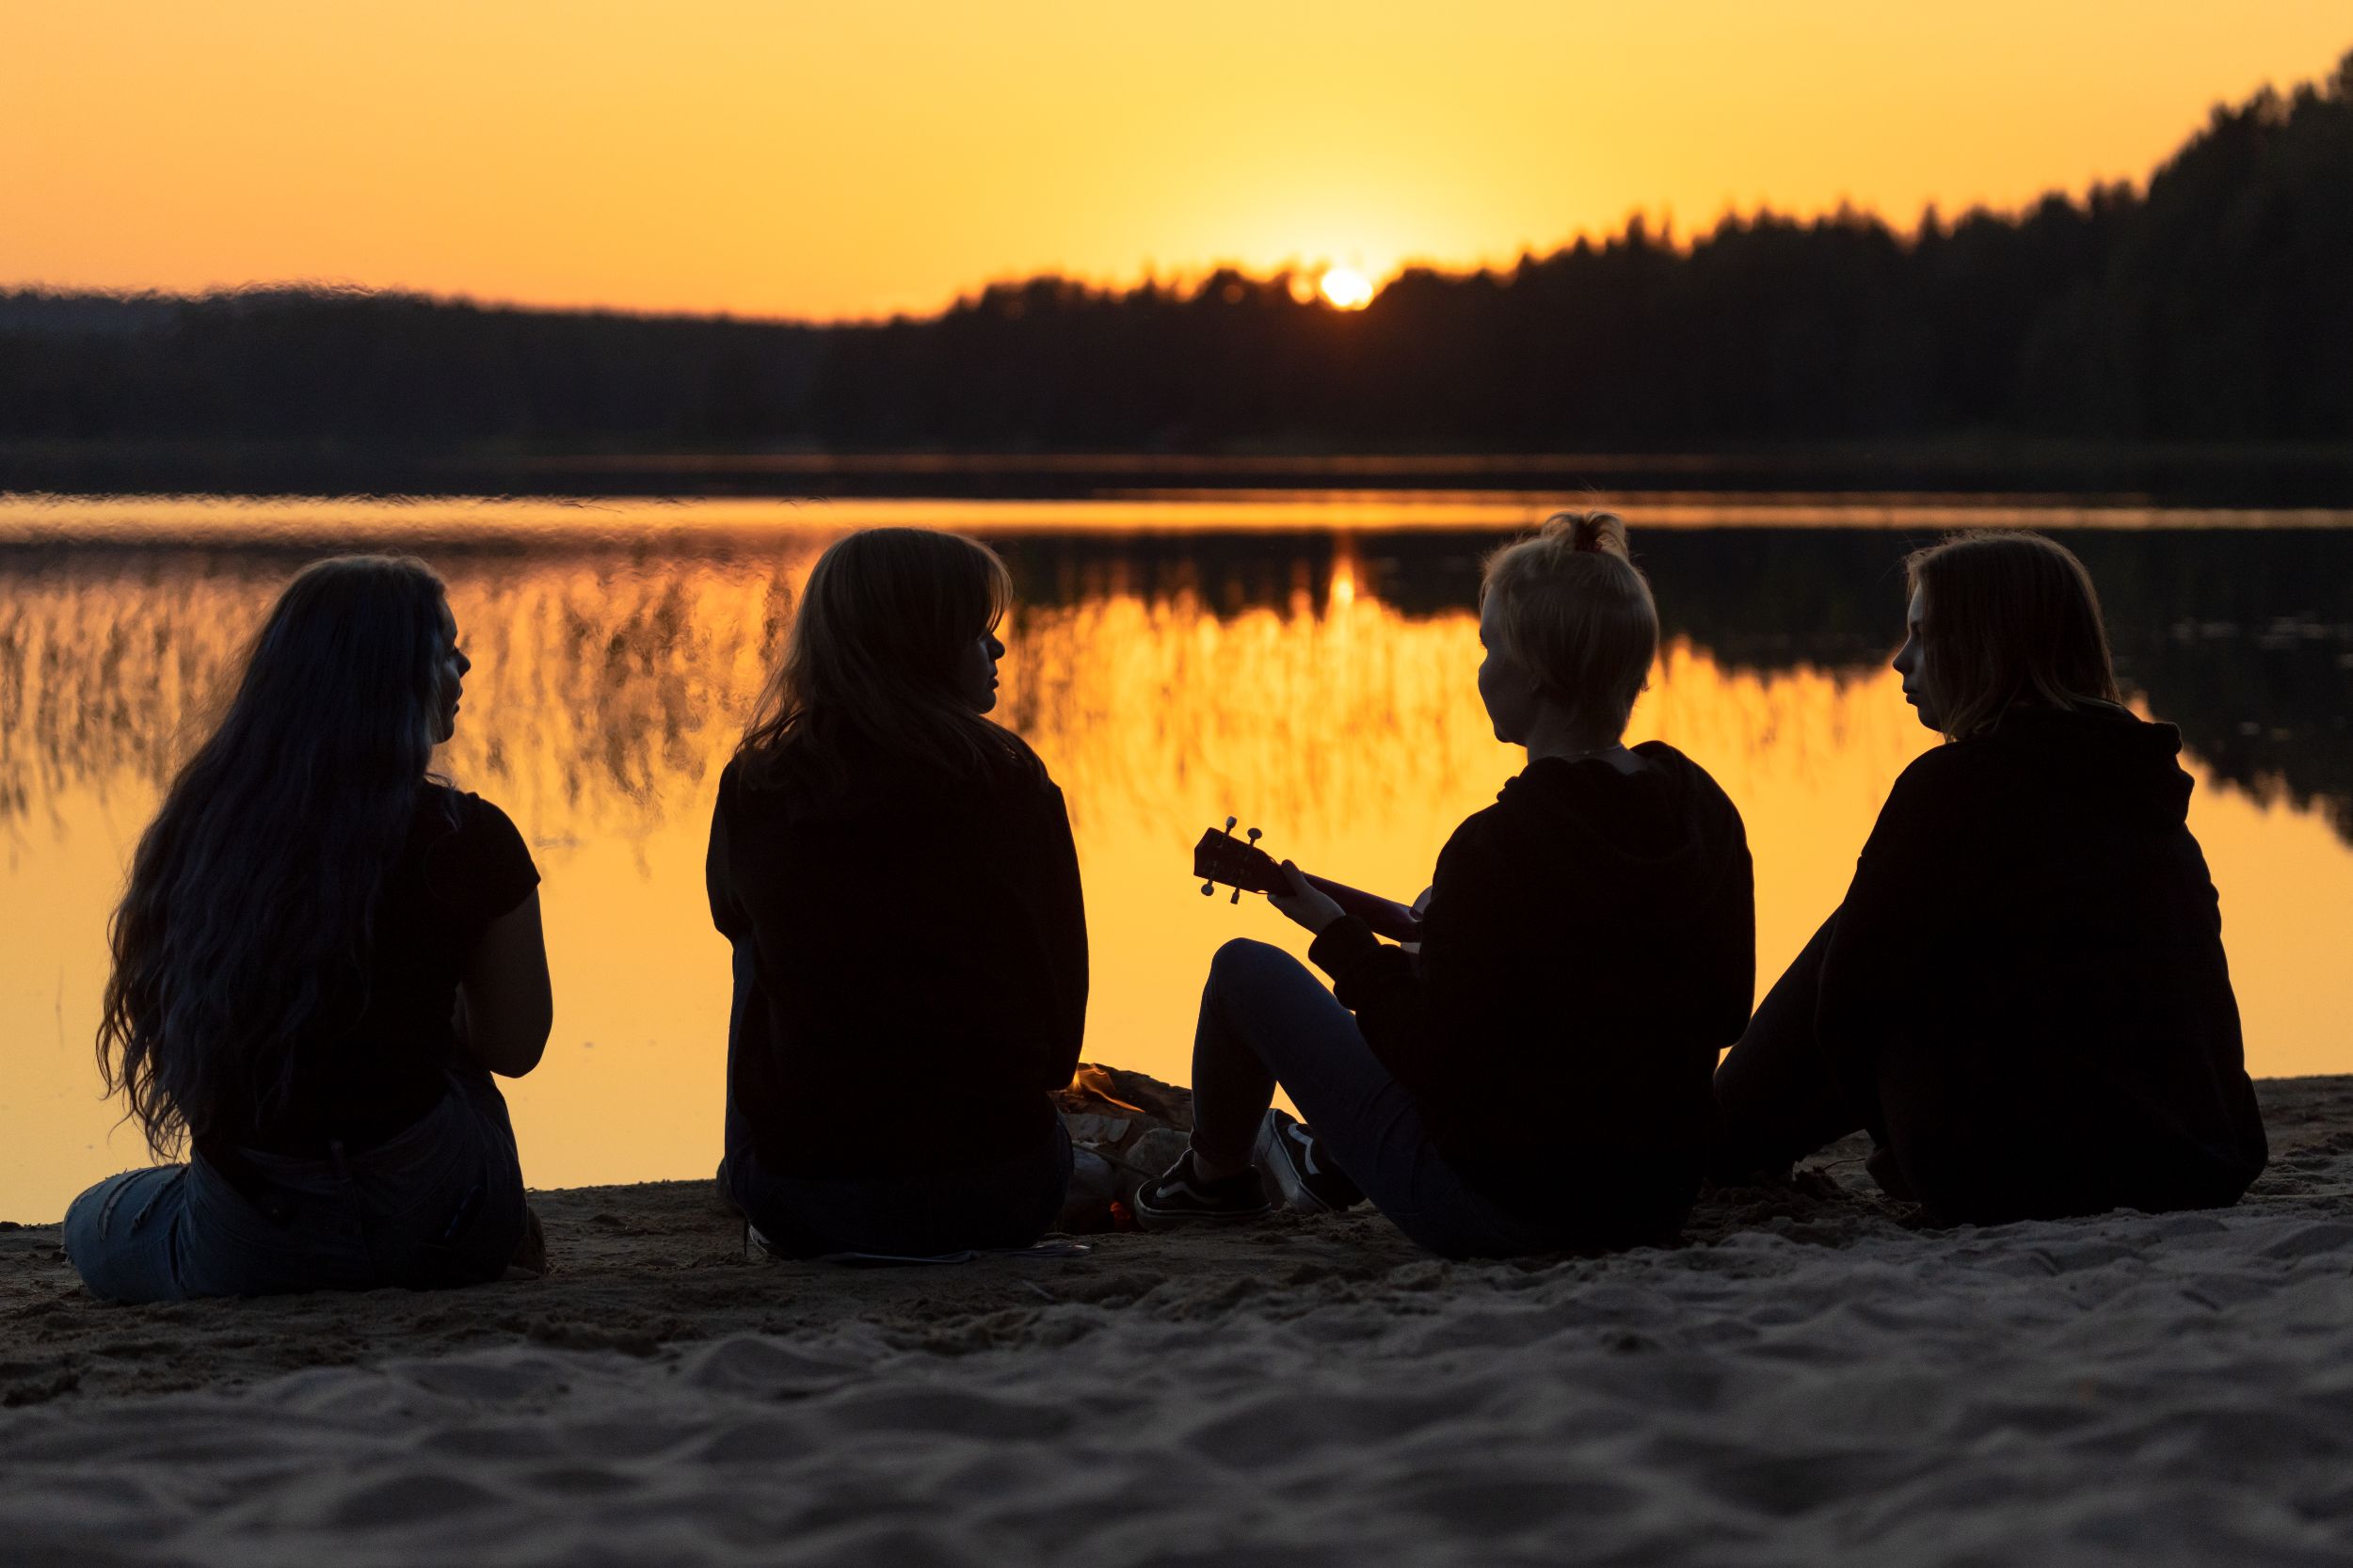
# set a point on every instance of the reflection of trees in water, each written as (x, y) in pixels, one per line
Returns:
(106, 660)
(610, 683)
(1155, 711)
(607, 691)
(2247, 643)
(608, 687)
(605, 685)
(2244, 638)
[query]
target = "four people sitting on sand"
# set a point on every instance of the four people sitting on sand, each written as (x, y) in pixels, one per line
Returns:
(324, 952)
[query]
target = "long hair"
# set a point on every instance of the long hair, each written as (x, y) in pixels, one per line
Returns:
(1577, 614)
(246, 927)
(872, 654)
(2010, 617)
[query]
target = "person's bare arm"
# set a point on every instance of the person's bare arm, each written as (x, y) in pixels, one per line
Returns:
(504, 1004)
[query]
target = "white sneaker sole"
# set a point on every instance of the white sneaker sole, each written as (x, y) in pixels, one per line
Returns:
(1288, 1160)
(1152, 1219)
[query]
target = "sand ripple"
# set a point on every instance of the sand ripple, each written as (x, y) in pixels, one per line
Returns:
(2131, 1389)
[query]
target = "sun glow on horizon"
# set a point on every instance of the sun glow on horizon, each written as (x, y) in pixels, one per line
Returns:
(1345, 288)
(847, 163)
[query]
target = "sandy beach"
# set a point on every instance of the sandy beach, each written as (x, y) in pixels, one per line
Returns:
(1808, 1379)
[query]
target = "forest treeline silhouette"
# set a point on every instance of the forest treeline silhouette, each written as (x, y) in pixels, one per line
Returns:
(2210, 305)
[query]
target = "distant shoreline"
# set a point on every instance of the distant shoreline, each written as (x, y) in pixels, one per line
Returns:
(2257, 476)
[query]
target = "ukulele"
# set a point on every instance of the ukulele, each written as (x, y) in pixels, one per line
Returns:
(1247, 869)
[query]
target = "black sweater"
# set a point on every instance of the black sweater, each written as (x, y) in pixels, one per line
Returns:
(910, 964)
(1588, 950)
(462, 866)
(2026, 992)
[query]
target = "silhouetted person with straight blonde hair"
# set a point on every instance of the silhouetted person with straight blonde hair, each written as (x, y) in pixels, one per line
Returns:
(322, 955)
(2024, 996)
(1537, 1079)
(897, 877)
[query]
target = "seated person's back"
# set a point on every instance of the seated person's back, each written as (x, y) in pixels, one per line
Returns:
(897, 877)
(321, 954)
(462, 868)
(2029, 972)
(2024, 996)
(1589, 951)
(909, 940)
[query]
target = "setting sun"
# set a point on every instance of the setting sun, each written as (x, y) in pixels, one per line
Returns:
(553, 154)
(1346, 288)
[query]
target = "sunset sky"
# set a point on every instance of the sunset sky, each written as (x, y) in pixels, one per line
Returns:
(766, 157)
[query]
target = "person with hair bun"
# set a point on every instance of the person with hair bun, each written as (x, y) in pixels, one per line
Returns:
(1537, 1079)
(323, 953)
(897, 877)
(2024, 996)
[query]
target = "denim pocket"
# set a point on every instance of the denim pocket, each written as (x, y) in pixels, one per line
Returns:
(232, 1247)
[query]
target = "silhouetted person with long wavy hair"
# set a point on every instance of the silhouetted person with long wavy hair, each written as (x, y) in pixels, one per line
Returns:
(321, 955)
(897, 877)
(2024, 996)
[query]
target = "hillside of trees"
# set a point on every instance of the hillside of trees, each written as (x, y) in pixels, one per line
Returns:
(2212, 304)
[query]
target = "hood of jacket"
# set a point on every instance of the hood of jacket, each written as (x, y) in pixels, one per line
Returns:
(2117, 767)
(1658, 840)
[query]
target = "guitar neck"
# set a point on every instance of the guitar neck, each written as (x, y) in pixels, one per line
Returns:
(1387, 916)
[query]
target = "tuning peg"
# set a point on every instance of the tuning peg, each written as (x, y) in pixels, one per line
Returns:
(1237, 898)
(1208, 887)
(1253, 837)
(1229, 823)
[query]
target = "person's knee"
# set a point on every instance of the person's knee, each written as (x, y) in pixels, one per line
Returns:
(1244, 954)
(81, 1229)
(1246, 963)
(104, 1239)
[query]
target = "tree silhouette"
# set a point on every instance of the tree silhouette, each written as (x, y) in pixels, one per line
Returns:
(2210, 305)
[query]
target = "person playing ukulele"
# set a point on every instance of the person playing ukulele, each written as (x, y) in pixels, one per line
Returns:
(1537, 1079)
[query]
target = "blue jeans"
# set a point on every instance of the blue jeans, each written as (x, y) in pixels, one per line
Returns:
(438, 1204)
(1776, 1099)
(920, 1214)
(1266, 1018)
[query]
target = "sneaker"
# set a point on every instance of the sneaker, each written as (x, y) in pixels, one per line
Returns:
(1300, 1169)
(1178, 1197)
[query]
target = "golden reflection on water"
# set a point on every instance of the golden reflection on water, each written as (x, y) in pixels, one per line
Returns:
(608, 686)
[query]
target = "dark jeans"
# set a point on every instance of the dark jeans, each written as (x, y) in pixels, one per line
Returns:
(1266, 1018)
(1978, 1135)
(1776, 1101)
(919, 1214)
(438, 1204)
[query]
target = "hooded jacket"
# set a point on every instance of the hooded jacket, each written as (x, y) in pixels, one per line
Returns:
(2025, 993)
(919, 936)
(1588, 950)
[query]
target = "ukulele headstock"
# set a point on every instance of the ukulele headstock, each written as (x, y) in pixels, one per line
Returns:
(1241, 865)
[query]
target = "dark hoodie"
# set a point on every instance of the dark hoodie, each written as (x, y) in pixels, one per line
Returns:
(910, 964)
(2025, 994)
(1588, 950)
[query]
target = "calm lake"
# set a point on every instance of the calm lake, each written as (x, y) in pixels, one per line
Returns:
(1304, 663)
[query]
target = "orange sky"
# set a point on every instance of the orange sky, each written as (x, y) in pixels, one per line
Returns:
(782, 157)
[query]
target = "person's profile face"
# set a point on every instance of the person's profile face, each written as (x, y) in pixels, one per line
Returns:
(1503, 685)
(1911, 661)
(976, 671)
(450, 670)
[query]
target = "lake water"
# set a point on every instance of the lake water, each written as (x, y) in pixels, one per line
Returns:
(1303, 663)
